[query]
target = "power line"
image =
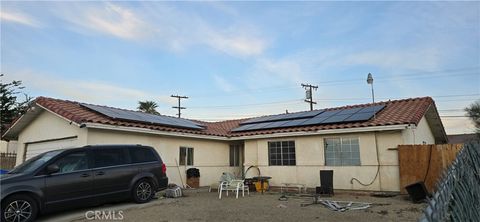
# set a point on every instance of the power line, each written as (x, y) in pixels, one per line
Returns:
(383, 98)
(298, 101)
(397, 77)
(179, 107)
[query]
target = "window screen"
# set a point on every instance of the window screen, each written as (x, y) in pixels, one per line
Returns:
(142, 154)
(235, 154)
(281, 153)
(105, 157)
(342, 152)
(186, 156)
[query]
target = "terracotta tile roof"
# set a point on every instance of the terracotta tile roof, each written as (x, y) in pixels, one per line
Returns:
(77, 113)
(406, 111)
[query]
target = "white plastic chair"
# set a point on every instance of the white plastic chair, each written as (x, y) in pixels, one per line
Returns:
(226, 176)
(233, 185)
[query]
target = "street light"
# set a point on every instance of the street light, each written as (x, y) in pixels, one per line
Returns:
(370, 82)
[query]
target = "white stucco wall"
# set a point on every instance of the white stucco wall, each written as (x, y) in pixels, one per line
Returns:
(419, 134)
(210, 157)
(48, 126)
(310, 160)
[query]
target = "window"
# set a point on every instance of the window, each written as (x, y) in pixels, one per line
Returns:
(281, 153)
(342, 152)
(105, 157)
(73, 162)
(35, 162)
(142, 154)
(235, 152)
(186, 156)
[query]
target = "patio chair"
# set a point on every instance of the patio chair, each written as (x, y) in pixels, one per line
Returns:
(226, 176)
(233, 185)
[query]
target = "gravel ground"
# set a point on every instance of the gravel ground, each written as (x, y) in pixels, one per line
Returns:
(200, 205)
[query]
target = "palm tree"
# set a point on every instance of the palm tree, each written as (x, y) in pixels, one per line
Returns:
(148, 107)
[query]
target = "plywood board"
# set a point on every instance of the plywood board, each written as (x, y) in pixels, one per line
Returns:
(424, 163)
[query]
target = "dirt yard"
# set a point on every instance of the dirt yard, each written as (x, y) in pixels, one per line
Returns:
(203, 206)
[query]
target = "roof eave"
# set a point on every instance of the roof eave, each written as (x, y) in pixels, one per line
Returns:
(152, 131)
(326, 132)
(22, 122)
(435, 123)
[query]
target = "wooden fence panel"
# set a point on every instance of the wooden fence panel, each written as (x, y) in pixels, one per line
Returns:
(424, 163)
(7, 160)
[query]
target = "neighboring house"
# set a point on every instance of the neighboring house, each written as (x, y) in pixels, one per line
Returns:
(8, 147)
(462, 138)
(289, 148)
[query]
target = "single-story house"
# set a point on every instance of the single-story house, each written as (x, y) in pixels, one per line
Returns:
(463, 138)
(356, 141)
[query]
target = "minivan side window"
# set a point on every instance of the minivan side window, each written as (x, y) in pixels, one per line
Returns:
(142, 154)
(72, 162)
(105, 157)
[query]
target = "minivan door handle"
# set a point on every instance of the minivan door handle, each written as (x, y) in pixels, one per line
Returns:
(100, 173)
(85, 175)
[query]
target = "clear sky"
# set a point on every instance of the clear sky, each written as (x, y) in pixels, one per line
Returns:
(243, 59)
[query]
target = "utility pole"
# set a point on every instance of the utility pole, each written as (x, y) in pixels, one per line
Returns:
(309, 94)
(179, 107)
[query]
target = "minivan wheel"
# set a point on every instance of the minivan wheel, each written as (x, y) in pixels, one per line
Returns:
(19, 208)
(143, 191)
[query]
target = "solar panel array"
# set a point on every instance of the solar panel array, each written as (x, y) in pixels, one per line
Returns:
(143, 117)
(316, 117)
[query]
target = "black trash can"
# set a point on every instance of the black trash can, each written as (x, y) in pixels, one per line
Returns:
(417, 191)
(326, 183)
(193, 177)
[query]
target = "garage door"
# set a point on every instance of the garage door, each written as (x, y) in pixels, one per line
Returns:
(36, 148)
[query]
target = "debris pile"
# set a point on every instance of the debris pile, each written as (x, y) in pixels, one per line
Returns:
(340, 206)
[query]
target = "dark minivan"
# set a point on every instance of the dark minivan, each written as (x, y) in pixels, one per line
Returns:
(80, 177)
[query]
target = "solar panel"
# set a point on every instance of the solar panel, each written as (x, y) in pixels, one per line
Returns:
(311, 113)
(295, 122)
(243, 128)
(336, 118)
(310, 118)
(277, 124)
(359, 117)
(258, 119)
(350, 111)
(285, 116)
(259, 126)
(315, 121)
(372, 109)
(269, 125)
(143, 117)
(328, 113)
(280, 117)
